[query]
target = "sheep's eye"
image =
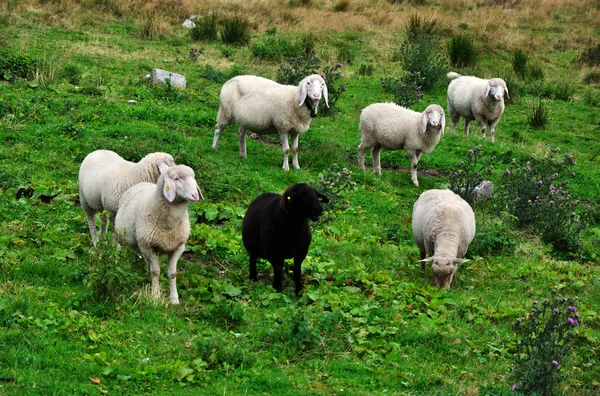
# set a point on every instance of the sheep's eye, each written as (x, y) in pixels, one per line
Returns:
(320, 198)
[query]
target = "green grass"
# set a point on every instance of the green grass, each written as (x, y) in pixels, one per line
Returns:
(368, 322)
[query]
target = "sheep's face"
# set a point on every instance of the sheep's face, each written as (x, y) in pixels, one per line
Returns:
(178, 182)
(496, 89)
(304, 200)
(444, 272)
(434, 116)
(313, 87)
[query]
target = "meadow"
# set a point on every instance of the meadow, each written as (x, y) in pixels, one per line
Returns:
(78, 319)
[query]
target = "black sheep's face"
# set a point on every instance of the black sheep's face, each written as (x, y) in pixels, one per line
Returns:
(306, 200)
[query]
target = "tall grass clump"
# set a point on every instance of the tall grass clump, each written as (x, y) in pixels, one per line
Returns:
(206, 28)
(538, 114)
(544, 339)
(590, 56)
(462, 51)
(151, 26)
(519, 63)
(537, 194)
(235, 30)
(418, 27)
(591, 76)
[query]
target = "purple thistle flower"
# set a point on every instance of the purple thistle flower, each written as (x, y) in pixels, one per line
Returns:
(507, 172)
(345, 169)
(571, 321)
(518, 198)
(541, 182)
(514, 387)
(471, 152)
(340, 65)
(554, 362)
(556, 311)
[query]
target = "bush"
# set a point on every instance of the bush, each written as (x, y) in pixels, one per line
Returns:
(406, 90)
(563, 91)
(470, 173)
(462, 52)
(206, 28)
(331, 74)
(420, 57)
(334, 183)
(365, 69)
(519, 63)
(235, 30)
(72, 74)
(275, 49)
(346, 53)
(494, 236)
(15, 65)
(536, 194)
(535, 72)
(538, 116)
(543, 341)
(211, 74)
(298, 68)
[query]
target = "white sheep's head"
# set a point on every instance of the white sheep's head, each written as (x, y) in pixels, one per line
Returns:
(313, 87)
(496, 89)
(444, 270)
(179, 182)
(434, 116)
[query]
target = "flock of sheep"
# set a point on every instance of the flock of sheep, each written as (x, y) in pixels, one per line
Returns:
(147, 201)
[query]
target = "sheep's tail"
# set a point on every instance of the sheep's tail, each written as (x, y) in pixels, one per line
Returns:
(453, 75)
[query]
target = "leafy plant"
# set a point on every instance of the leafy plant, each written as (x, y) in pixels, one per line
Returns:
(462, 51)
(211, 74)
(420, 57)
(563, 91)
(16, 65)
(365, 69)
(470, 173)
(494, 236)
(406, 89)
(297, 68)
(331, 74)
(194, 53)
(519, 63)
(544, 339)
(235, 30)
(538, 116)
(72, 74)
(334, 183)
(206, 28)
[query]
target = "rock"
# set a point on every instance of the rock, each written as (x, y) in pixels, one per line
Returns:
(159, 76)
(483, 191)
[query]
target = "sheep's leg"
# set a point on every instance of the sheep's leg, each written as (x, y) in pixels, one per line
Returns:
(493, 129)
(454, 118)
(286, 151)
(103, 223)
(172, 273)
(414, 158)
(298, 272)
(467, 123)
(242, 138)
(253, 273)
(152, 260)
(218, 130)
(482, 124)
(361, 157)
(295, 163)
(375, 151)
(91, 220)
(277, 274)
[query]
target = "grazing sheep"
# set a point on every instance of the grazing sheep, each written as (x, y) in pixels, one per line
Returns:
(476, 99)
(443, 226)
(264, 107)
(391, 127)
(104, 177)
(276, 228)
(153, 219)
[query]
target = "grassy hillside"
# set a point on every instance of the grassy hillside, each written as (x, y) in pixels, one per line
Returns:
(75, 319)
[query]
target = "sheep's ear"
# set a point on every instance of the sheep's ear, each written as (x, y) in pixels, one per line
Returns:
(303, 92)
(427, 260)
(322, 198)
(459, 260)
(162, 167)
(169, 189)
(488, 88)
(506, 92)
(325, 93)
(424, 122)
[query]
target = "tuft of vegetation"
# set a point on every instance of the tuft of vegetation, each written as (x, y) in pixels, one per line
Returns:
(418, 28)
(519, 63)
(591, 76)
(366, 69)
(538, 115)
(462, 51)
(470, 173)
(331, 74)
(535, 72)
(14, 65)
(407, 90)
(72, 73)
(590, 56)
(341, 6)
(422, 60)
(151, 26)
(206, 29)
(335, 183)
(297, 68)
(235, 30)
(544, 340)
(211, 74)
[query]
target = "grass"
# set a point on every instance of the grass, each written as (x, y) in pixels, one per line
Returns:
(368, 318)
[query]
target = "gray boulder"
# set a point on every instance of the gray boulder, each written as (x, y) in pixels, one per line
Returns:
(159, 76)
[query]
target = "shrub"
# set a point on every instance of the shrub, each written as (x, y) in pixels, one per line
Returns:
(462, 51)
(365, 69)
(297, 68)
(15, 65)
(334, 183)
(535, 72)
(536, 194)
(235, 30)
(543, 341)
(418, 27)
(538, 116)
(563, 91)
(590, 57)
(194, 54)
(206, 28)
(406, 90)
(274, 48)
(470, 173)
(211, 74)
(346, 53)
(72, 74)
(420, 57)
(331, 74)
(494, 236)
(519, 63)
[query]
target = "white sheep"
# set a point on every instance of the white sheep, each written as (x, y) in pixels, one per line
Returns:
(391, 127)
(153, 219)
(443, 226)
(476, 99)
(264, 107)
(104, 177)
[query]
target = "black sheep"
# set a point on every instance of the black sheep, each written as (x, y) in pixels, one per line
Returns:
(276, 228)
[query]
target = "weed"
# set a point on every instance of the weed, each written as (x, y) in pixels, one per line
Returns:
(563, 91)
(418, 28)
(298, 68)
(538, 116)
(544, 340)
(206, 28)
(535, 72)
(72, 73)
(15, 65)
(194, 54)
(462, 51)
(346, 53)
(365, 69)
(331, 74)
(591, 76)
(211, 74)
(341, 6)
(420, 57)
(275, 48)
(151, 27)
(590, 57)
(406, 89)
(591, 98)
(494, 236)
(470, 173)
(334, 183)
(235, 30)
(519, 63)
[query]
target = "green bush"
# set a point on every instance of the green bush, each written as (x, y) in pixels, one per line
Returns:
(418, 27)
(346, 53)
(331, 74)
(235, 30)
(72, 74)
(365, 69)
(420, 57)
(535, 72)
(297, 68)
(406, 89)
(462, 51)
(16, 65)
(543, 341)
(538, 116)
(519, 63)
(494, 236)
(206, 28)
(470, 173)
(563, 91)
(211, 74)
(334, 183)
(275, 49)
